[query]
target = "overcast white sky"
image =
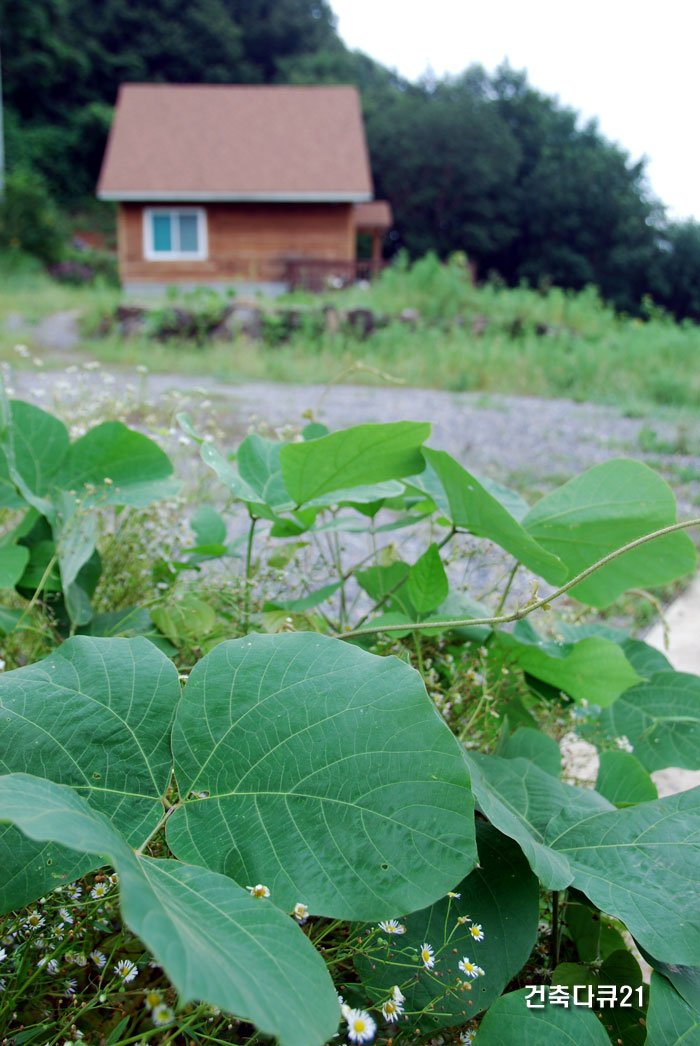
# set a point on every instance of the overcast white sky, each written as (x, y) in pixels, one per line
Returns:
(633, 64)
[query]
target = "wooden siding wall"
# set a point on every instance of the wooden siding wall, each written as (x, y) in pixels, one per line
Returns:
(247, 241)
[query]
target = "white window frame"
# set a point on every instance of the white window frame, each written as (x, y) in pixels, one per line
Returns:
(149, 251)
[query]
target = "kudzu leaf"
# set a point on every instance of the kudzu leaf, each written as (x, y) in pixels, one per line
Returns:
(661, 720)
(215, 942)
(593, 934)
(540, 749)
(642, 865)
(38, 444)
(520, 800)
(468, 504)
(13, 560)
(598, 512)
(326, 774)
(426, 584)
(509, 1020)
(138, 469)
(594, 670)
(359, 496)
(501, 896)
(357, 456)
(685, 979)
(208, 526)
(623, 780)
(313, 599)
(258, 462)
(670, 1020)
(96, 715)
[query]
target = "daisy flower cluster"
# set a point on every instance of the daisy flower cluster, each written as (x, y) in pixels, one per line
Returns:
(72, 939)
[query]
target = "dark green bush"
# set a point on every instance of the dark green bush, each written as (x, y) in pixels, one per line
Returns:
(29, 219)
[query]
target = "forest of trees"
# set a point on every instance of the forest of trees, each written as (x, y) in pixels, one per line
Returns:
(481, 163)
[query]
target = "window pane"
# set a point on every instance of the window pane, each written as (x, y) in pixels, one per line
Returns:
(188, 232)
(161, 232)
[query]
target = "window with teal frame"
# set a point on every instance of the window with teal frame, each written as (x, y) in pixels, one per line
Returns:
(174, 234)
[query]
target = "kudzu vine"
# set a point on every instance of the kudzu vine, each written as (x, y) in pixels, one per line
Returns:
(301, 777)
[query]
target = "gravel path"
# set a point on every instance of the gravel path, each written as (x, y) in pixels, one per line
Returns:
(529, 443)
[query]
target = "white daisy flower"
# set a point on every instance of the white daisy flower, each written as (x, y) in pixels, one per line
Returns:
(99, 958)
(467, 1037)
(152, 999)
(74, 891)
(391, 926)
(470, 968)
(301, 913)
(126, 969)
(397, 995)
(65, 915)
(344, 1008)
(34, 921)
(99, 890)
(3, 954)
(392, 1010)
(162, 1015)
(361, 1027)
(454, 895)
(427, 956)
(476, 932)
(258, 891)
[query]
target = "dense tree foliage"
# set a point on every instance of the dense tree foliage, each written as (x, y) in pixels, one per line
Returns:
(479, 163)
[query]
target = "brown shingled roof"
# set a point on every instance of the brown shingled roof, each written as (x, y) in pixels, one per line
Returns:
(199, 142)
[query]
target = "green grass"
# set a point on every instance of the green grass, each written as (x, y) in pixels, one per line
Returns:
(558, 344)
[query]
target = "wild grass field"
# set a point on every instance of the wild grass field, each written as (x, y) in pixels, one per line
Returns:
(458, 336)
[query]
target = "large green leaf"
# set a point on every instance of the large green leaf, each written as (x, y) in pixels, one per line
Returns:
(95, 715)
(215, 942)
(542, 750)
(323, 772)
(38, 443)
(594, 669)
(642, 865)
(259, 466)
(124, 466)
(502, 897)
(594, 935)
(671, 1021)
(520, 800)
(685, 979)
(208, 526)
(661, 719)
(360, 455)
(13, 560)
(427, 585)
(468, 504)
(509, 1021)
(623, 780)
(601, 510)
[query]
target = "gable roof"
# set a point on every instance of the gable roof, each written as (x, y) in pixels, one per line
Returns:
(197, 142)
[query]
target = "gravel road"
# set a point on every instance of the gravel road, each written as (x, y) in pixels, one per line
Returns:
(529, 443)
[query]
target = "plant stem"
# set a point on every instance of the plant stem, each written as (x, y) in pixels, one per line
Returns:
(248, 571)
(39, 589)
(555, 929)
(506, 590)
(157, 828)
(538, 604)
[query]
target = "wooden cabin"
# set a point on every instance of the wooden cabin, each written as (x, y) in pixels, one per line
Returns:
(255, 187)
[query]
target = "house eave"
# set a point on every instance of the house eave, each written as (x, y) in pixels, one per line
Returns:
(229, 197)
